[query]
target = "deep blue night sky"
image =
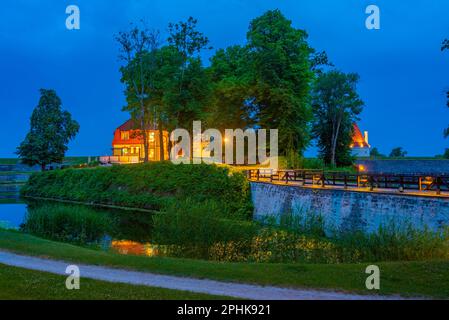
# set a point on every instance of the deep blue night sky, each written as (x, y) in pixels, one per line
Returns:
(403, 72)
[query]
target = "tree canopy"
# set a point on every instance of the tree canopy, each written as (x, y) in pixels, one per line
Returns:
(398, 152)
(375, 153)
(51, 129)
(336, 106)
(265, 83)
(281, 60)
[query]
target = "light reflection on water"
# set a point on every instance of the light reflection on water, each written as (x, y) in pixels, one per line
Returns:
(134, 248)
(13, 215)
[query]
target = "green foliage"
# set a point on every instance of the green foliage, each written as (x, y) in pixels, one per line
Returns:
(23, 284)
(185, 37)
(428, 276)
(192, 229)
(282, 67)
(50, 132)
(312, 163)
(231, 76)
(80, 225)
(167, 85)
(151, 186)
(336, 105)
(398, 153)
(9, 161)
(394, 242)
(196, 232)
(375, 153)
(137, 51)
(186, 99)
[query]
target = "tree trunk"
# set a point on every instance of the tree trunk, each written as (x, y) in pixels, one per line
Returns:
(146, 147)
(333, 148)
(334, 144)
(161, 142)
(145, 138)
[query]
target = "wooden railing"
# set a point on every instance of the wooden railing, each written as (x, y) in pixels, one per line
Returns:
(416, 182)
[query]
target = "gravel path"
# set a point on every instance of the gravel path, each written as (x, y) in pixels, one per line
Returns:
(245, 291)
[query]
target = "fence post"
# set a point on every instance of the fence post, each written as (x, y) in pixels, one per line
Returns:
(401, 188)
(371, 183)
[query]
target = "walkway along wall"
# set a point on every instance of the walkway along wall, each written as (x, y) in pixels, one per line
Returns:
(350, 209)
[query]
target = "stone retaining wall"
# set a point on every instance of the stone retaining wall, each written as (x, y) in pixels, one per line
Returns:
(350, 209)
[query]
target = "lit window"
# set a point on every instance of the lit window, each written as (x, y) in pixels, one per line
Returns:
(124, 135)
(152, 137)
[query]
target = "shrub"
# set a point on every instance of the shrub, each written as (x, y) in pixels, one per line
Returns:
(191, 230)
(79, 225)
(394, 242)
(152, 186)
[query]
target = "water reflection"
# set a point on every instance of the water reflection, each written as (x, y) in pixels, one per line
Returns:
(124, 232)
(12, 215)
(134, 248)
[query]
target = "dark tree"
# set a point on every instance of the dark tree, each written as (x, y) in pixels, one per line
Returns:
(375, 153)
(137, 51)
(281, 61)
(336, 105)
(50, 132)
(398, 153)
(186, 103)
(230, 73)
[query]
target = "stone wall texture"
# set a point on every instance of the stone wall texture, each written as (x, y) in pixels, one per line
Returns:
(350, 210)
(436, 166)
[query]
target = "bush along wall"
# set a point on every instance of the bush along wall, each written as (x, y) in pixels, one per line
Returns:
(153, 186)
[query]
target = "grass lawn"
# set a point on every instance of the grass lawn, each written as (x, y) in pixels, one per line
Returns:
(16, 173)
(67, 160)
(9, 160)
(406, 278)
(10, 201)
(22, 284)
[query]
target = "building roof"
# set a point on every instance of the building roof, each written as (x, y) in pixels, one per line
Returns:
(133, 125)
(358, 139)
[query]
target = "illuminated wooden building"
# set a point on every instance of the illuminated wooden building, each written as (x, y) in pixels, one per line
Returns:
(360, 145)
(128, 144)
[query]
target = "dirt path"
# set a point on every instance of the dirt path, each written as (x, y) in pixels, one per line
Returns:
(245, 291)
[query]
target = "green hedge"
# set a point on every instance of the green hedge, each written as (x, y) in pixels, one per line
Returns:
(149, 186)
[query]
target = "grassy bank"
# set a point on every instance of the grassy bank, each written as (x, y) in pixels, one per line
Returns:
(151, 186)
(407, 278)
(199, 231)
(22, 284)
(67, 160)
